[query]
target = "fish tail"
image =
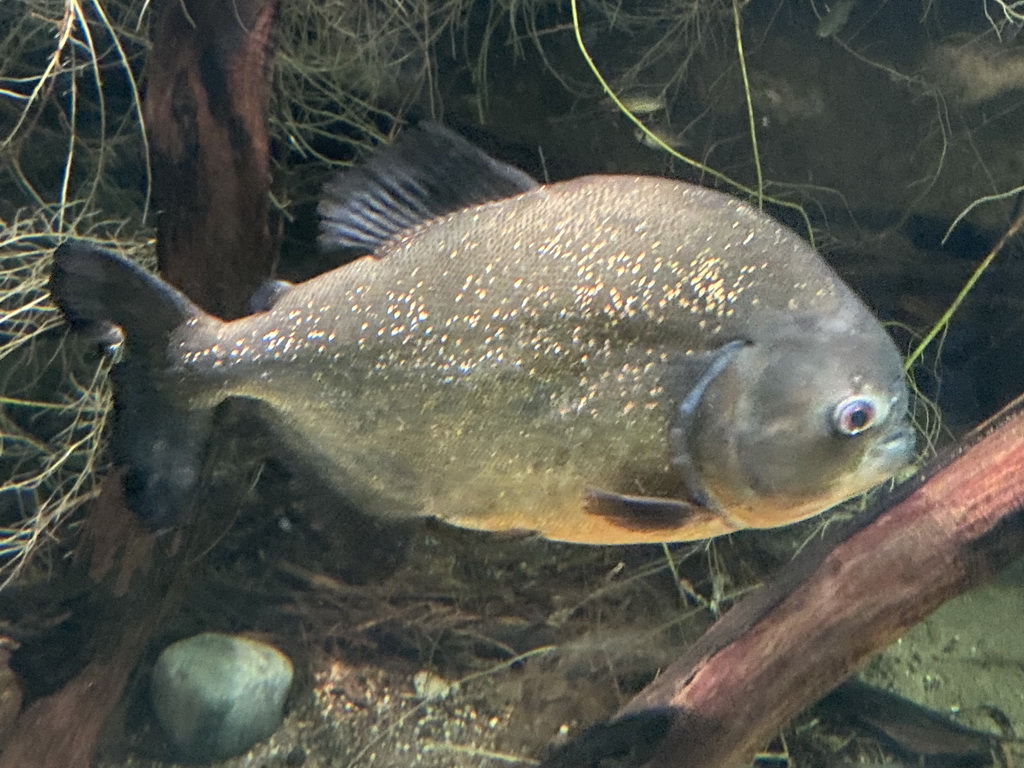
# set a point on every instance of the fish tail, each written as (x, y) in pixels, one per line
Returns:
(159, 436)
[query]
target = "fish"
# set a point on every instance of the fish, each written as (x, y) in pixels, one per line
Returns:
(611, 359)
(833, 22)
(643, 103)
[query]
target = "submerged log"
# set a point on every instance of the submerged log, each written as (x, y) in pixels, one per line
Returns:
(205, 109)
(842, 600)
(206, 117)
(62, 730)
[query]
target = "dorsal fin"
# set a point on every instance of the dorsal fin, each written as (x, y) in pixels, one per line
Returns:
(428, 172)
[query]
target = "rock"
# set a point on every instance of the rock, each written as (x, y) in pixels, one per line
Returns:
(216, 695)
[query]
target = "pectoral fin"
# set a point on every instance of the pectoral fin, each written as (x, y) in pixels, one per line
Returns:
(697, 515)
(650, 514)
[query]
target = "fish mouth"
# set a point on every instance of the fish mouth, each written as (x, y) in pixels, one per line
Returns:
(893, 451)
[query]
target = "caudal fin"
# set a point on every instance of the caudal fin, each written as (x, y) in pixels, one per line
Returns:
(158, 436)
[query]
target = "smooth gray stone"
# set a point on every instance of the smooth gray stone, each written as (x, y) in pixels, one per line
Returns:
(216, 695)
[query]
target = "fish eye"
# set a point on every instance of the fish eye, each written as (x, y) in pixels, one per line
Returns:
(854, 415)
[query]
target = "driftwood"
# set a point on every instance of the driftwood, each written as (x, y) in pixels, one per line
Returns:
(206, 117)
(206, 110)
(62, 729)
(838, 603)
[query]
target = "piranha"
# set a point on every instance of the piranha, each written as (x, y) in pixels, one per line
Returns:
(608, 360)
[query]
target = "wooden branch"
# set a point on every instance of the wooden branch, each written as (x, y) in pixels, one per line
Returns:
(837, 604)
(61, 730)
(206, 118)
